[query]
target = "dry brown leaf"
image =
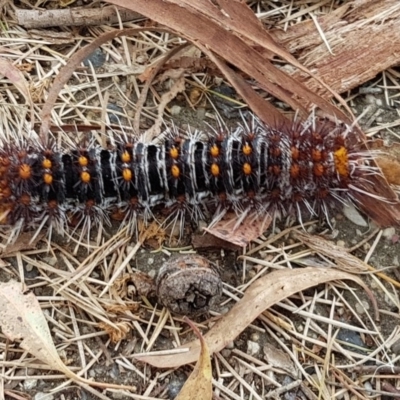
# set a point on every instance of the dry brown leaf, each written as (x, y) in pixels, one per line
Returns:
(199, 384)
(279, 359)
(22, 318)
(17, 78)
(252, 227)
(24, 242)
(261, 295)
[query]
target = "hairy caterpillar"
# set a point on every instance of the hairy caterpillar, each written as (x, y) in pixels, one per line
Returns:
(304, 169)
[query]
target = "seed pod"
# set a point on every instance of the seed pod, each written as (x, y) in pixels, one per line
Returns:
(188, 285)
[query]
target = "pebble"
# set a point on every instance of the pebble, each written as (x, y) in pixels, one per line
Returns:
(252, 348)
(368, 388)
(174, 387)
(362, 307)
(255, 337)
(388, 233)
(354, 216)
(226, 353)
(29, 384)
(175, 110)
(28, 267)
(351, 337)
(43, 396)
(50, 260)
(340, 311)
(112, 110)
(97, 59)
(341, 243)
(396, 347)
(114, 371)
(150, 261)
(230, 345)
(118, 395)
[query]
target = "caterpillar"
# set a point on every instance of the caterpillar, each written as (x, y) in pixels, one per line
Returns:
(305, 169)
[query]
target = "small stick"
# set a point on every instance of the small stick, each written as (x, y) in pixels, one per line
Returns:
(77, 16)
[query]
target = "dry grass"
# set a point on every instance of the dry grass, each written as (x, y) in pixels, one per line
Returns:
(81, 292)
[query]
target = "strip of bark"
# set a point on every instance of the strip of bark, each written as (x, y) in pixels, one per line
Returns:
(364, 41)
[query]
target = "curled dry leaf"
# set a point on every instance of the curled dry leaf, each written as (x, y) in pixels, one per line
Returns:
(22, 318)
(199, 384)
(261, 295)
(240, 234)
(340, 256)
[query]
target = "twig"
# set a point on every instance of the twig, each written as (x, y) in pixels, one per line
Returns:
(74, 17)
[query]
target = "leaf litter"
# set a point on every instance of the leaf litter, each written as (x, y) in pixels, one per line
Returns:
(76, 291)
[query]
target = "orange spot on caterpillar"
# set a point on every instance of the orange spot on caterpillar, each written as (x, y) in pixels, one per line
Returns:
(276, 170)
(251, 194)
(341, 161)
(294, 171)
(83, 161)
(4, 211)
(318, 169)
(48, 179)
(5, 161)
(6, 193)
(85, 177)
(297, 197)
(246, 168)
(175, 171)
(90, 203)
(295, 153)
(215, 169)
(275, 193)
(247, 150)
(134, 201)
(46, 163)
(127, 174)
(322, 193)
(174, 153)
(25, 199)
(25, 171)
(125, 157)
(22, 154)
(52, 204)
(181, 198)
(214, 150)
(276, 151)
(316, 155)
(222, 196)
